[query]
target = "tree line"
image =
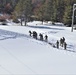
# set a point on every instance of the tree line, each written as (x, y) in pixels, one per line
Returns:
(43, 10)
(56, 11)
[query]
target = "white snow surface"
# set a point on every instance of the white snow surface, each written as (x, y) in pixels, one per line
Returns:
(22, 54)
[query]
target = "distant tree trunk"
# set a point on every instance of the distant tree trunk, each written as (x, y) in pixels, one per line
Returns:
(21, 22)
(42, 22)
(42, 18)
(25, 20)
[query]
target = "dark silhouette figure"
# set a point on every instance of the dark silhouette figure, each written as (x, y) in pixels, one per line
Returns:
(63, 39)
(30, 33)
(46, 38)
(57, 44)
(34, 34)
(65, 45)
(61, 42)
(41, 37)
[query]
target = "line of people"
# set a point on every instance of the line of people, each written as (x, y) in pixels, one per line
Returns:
(62, 43)
(35, 35)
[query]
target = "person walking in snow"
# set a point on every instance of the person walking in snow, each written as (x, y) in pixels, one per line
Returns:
(34, 34)
(46, 38)
(41, 37)
(57, 44)
(65, 45)
(30, 33)
(63, 39)
(61, 42)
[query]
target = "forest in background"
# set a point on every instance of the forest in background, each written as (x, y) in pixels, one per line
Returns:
(43, 10)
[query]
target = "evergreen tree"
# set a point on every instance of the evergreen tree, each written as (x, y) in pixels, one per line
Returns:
(40, 10)
(27, 9)
(67, 18)
(48, 10)
(60, 10)
(24, 8)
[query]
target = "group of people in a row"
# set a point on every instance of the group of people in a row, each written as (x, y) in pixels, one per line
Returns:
(62, 43)
(35, 35)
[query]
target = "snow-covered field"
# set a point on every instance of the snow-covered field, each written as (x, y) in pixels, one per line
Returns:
(21, 54)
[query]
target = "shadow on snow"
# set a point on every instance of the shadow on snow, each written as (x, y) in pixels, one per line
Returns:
(4, 34)
(42, 27)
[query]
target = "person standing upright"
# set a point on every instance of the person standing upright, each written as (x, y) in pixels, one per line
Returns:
(57, 44)
(46, 38)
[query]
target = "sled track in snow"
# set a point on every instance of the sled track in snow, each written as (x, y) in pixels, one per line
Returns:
(5, 34)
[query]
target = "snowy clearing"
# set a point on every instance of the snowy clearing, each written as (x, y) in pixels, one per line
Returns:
(22, 54)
